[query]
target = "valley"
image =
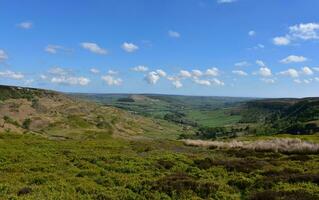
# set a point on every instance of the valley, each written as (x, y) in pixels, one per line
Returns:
(101, 146)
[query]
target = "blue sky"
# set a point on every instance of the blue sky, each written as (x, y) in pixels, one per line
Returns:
(260, 48)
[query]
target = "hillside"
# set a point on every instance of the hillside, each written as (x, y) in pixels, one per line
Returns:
(295, 116)
(59, 116)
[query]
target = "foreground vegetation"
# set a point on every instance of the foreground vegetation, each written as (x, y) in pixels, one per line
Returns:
(33, 167)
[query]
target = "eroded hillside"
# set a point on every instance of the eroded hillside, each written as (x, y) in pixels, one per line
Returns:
(57, 115)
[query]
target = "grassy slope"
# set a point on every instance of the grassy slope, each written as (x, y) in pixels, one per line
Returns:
(32, 167)
(58, 116)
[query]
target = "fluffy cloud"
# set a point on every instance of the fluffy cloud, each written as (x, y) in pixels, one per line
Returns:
(226, 1)
(242, 64)
(177, 84)
(64, 80)
(174, 34)
(197, 73)
(239, 72)
(161, 72)
(112, 72)
(217, 82)
(185, 74)
(25, 25)
(252, 33)
(309, 31)
(307, 71)
(94, 48)
(260, 63)
(305, 31)
(152, 77)
(58, 71)
(281, 41)
(3, 55)
(212, 72)
(129, 47)
(293, 59)
(94, 71)
(140, 68)
(202, 82)
(290, 72)
(264, 71)
(112, 81)
(11, 75)
(58, 75)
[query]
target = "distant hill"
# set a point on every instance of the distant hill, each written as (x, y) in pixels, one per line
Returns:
(297, 116)
(60, 116)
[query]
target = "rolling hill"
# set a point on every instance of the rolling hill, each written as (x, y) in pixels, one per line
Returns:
(56, 115)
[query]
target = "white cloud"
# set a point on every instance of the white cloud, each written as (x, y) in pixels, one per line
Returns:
(111, 72)
(3, 55)
(239, 72)
(305, 31)
(65, 80)
(11, 75)
(94, 71)
(298, 81)
(58, 75)
(43, 77)
(177, 84)
(281, 41)
(242, 64)
(217, 82)
(212, 72)
(58, 71)
(129, 47)
(53, 49)
(268, 80)
(293, 59)
(25, 25)
(265, 72)
(112, 81)
(197, 73)
(152, 77)
(225, 1)
(260, 63)
(308, 31)
(185, 74)
(290, 72)
(307, 71)
(94, 48)
(202, 82)
(252, 33)
(317, 79)
(174, 34)
(161, 72)
(140, 68)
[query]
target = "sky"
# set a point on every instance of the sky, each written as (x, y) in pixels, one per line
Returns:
(247, 48)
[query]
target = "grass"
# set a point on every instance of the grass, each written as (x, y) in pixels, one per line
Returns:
(215, 118)
(33, 167)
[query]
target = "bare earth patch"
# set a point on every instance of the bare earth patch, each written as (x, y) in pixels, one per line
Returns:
(285, 145)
